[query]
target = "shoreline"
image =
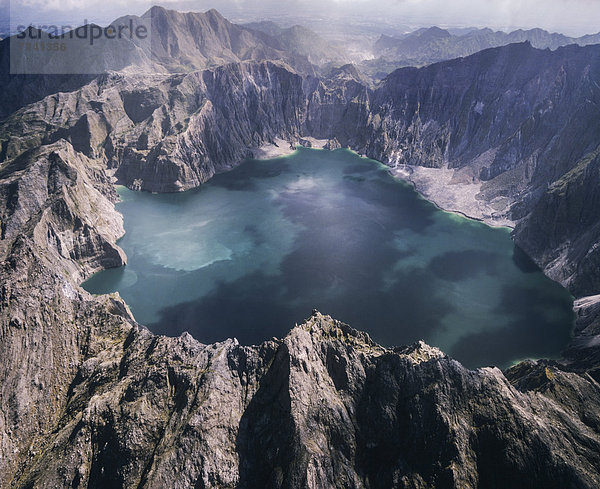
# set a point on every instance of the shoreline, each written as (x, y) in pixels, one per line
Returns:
(437, 185)
(430, 183)
(419, 177)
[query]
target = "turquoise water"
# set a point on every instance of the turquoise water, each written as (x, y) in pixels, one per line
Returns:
(254, 250)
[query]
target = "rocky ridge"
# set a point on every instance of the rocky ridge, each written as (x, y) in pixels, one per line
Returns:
(91, 399)
(432, 45)
(176, 43)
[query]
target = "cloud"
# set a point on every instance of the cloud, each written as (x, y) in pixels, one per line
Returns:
(574, 17)
(563, 15)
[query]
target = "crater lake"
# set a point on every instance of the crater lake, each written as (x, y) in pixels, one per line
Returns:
(256, 249)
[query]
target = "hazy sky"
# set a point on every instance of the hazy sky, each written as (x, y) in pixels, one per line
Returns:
(574, 17)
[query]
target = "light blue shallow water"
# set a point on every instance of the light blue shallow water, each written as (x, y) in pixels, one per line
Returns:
(256, 249)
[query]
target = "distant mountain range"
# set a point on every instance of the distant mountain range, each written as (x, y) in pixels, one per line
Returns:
(184, 42)
(430, 45)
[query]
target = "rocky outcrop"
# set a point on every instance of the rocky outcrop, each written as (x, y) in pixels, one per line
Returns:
(182, 42)
(323, 407)
(166, 132)
(332, 144)
(563, 228)
(58, 225)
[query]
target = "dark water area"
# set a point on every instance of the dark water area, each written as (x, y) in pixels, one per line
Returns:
(254, 250)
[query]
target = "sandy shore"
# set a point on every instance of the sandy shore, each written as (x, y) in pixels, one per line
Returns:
(281, 147)
(442, 187)
(450, 190)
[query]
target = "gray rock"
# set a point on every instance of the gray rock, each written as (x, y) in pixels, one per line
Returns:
(332, 144)
(91, 399)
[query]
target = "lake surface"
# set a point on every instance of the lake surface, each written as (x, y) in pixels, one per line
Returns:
(253, 251)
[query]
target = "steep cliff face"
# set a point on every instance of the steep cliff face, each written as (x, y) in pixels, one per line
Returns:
(175, 42)
(58, 225)
(323, 407)
(167, 132)
(233, 109)
(182, 42)
(521, 103)
(519, 122)
(564, 226)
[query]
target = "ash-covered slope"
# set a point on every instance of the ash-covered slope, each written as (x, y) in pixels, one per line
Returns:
(90, 399)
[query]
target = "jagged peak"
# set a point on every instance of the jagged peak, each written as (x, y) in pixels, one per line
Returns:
(324, 327)
(297, 28)
(485, 30)
(350, 69)
(154, 10)
(30, 31)
(214, 13)
(437, 30)
(433, 32)
(347, 70)
(160, 10)
(420, 352)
